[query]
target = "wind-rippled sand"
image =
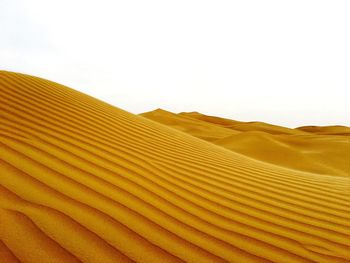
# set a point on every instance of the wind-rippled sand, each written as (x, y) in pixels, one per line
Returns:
(81, 180)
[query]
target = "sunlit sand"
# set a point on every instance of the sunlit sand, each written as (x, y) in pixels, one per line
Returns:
(323, 150)
(81, 180)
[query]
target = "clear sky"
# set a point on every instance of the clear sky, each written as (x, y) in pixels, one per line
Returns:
(283, 62)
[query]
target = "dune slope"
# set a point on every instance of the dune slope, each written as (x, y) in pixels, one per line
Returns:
(322, 150)
(81, 180)
(327, 130)
(198, 128)
(242, 126)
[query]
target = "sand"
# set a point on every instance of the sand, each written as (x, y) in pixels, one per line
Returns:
(321, 150)
(82, 180)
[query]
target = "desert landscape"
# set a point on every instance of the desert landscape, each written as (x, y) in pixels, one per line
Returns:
(84, 181)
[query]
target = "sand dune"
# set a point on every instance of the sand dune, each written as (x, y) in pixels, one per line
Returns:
(322, 150)
(196, 127)
(327, 130)
(243, 126)
(84, 181)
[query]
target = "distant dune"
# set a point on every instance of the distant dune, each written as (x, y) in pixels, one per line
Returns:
(81, 180)
(322, 150)
(327, 130)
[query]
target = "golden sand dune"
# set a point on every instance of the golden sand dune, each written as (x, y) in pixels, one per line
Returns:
(196, 127)
(242, 126)
(323, 150)
(316, 154)
(327, 130)
(84, 181)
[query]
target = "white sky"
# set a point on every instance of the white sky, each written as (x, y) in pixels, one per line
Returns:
(283, 62)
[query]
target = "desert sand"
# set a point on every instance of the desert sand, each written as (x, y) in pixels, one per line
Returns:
(323, 150)
(84, 181)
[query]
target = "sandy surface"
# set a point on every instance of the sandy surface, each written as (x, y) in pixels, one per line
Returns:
(322, 150)
(81, 180)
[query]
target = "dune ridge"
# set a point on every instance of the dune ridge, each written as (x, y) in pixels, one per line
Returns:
(83, 181)
(321, 150)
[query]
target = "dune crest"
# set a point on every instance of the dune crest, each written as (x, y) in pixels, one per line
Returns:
(81, 180)
(321, 150)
